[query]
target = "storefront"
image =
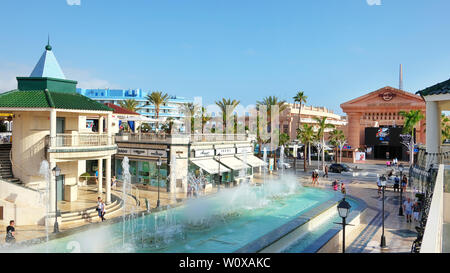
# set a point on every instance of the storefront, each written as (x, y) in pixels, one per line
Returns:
(143, 166)
(375, 125)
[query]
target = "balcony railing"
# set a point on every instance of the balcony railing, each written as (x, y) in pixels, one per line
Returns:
(162, 137)
(79, 140)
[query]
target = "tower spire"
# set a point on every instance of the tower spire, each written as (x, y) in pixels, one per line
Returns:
(401, 78)
(48, 46)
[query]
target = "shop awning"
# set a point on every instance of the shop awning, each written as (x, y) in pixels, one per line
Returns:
(252, 160)
(210, 165)
(233, 163)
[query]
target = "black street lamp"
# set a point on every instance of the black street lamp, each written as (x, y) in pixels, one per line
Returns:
(56, 172)
(400, 209)
(159, 172)
(383, 239)
(343, 209)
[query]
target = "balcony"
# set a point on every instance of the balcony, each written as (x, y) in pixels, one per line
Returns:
(79, 140)
(178, 138)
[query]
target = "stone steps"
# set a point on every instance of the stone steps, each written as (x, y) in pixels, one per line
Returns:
(89, 214)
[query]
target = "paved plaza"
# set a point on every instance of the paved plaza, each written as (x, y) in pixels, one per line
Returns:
(399, 234)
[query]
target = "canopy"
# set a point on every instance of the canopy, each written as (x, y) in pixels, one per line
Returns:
(233, 163)
(210, 166)
(252, 160)
(141, 118)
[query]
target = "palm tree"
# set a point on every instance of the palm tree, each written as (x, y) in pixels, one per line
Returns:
(299, 98)
(411, 119)
(337, 139)
(305, 134)
(191, 109)
(321, 126)
(269, 102)
(157, 99)
(205, 118)
(130, 104)
(445, 128)
(223, 107)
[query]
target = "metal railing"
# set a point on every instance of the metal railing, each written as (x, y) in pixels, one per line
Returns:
(79, 140)
(163, 137)
(432, 235)
(137, 137)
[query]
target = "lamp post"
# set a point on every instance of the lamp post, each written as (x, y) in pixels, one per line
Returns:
(400, 209)
(56, 172)
(343, 209)
(220, 177)
(159, 172)
(383, 239)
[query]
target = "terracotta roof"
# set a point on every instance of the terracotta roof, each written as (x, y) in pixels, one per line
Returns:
(120, 110)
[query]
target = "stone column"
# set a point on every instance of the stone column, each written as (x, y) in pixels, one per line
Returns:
(52, 127)
(354, 130)
(108, 180)
(100, 177)
(100, 125)
(109, 128)
(433, 130)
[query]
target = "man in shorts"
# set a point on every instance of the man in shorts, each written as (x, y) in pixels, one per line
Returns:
(407, 207)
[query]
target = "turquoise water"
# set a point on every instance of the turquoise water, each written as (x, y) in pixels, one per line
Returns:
(222, 223)
(305, 241)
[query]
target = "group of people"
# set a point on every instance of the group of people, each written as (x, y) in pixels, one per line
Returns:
(404, 182)
(411, 208)
(335, 185)
(393, 163)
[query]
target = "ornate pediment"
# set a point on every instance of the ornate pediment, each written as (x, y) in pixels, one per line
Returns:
(386, 97)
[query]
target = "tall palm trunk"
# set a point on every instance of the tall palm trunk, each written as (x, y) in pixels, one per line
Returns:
(304, 157)
(323, 152)
(309, 153)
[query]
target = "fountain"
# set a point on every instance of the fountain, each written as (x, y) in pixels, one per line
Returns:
(129, 211)
(281, 159)
(44, 171)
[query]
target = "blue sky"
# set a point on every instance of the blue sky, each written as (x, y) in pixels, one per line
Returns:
(333, 50)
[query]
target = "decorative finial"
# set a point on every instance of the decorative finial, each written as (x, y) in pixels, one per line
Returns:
(48, 46)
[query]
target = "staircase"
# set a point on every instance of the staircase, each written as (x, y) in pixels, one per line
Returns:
(5, 164)
(90, 215)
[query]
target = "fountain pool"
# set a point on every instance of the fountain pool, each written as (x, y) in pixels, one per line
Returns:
(224, 222)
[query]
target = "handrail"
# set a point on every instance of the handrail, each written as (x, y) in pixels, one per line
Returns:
(79, 140)
(432, 237)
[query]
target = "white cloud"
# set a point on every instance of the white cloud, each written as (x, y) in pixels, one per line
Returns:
(73, 2)
(374, 2)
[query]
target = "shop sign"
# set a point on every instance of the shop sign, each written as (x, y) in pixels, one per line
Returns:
(225, 151)
(203, 153)
(123, 151)
(157, 153)
(141, 152)
(244, 150)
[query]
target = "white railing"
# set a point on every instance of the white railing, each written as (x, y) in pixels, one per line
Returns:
(79, 140)
(329, 121)
(217, 137)
(160, 137)
(432, 237)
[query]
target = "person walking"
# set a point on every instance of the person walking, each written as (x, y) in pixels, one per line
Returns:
(407, 207)
(416, 211)
(396, 183)
(10, 233)
(114, 182)
(379, 186)
(103, 210)
(343, 190)
(326, 171)
(404, 182)
(100, 208)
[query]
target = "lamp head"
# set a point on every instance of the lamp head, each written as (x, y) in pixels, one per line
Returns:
(56, 171)
(343, 208)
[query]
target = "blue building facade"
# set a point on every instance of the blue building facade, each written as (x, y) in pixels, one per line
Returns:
(171, 109)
